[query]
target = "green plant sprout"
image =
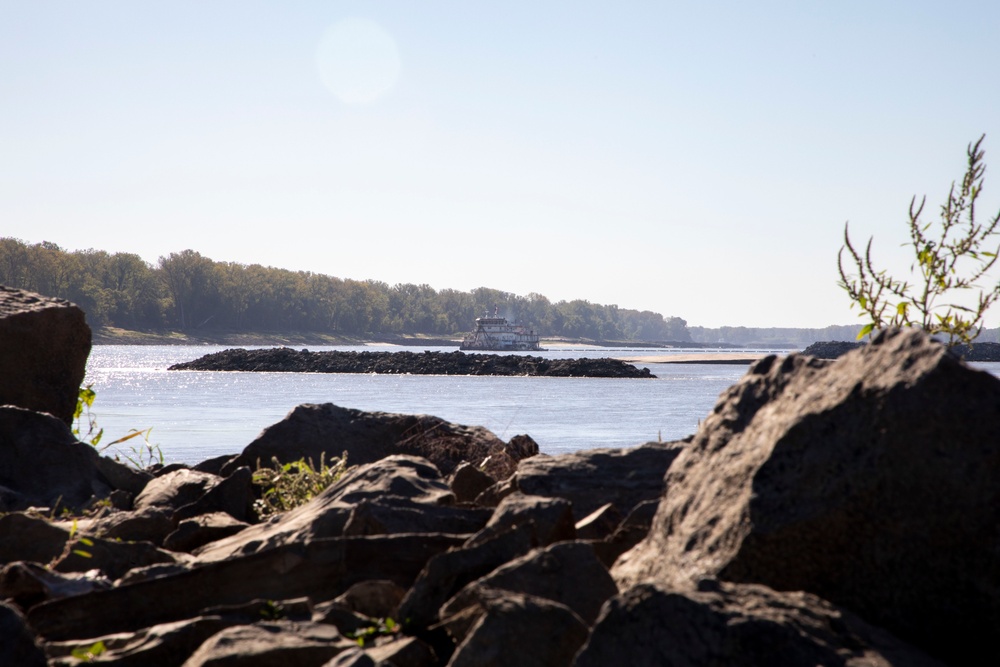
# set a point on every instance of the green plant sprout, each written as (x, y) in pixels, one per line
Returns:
(289, 485)
(142, 456)
(952, 257)
(382, 627)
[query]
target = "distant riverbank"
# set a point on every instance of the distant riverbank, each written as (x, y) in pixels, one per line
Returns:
(118, 336)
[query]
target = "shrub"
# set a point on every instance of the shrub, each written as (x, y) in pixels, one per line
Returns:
(951, 258)
(289, 485)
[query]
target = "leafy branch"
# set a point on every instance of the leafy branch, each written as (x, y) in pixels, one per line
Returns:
(948, 259)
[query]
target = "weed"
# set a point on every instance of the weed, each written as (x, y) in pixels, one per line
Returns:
(289, 485)
(383, 627)
(950, 259)
(88, 653)
(142, 456)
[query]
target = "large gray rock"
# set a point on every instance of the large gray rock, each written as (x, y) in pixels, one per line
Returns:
(44, 344)
(568, 573)
(17, 645)
(870, 481)
(310, 431)
(320, 569)
(405, 477)
(285, 643)
(593, 477)
(743, 625)
(42, 464)
(520, 631)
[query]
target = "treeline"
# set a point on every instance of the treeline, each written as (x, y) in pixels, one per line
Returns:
(186, 291)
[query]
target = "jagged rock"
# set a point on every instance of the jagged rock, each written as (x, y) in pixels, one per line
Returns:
(28, 584)
(112, 557)
(550, 519)
(44, 344)
(447, 572)
(375, 598)
(173, 490)
(520, 631)
(29, 538)
(352, 657)
(327, 514)
(311, 431)
(737, 624)
(600, 523)
(321, 569)
(71, 475)
(593, 477)
(869, 481)
(390, 515)
(632, 530)
(287, 360)
(172, 643)
(337, 613)
(468, 481)
(286, 643)
(18, 646)
(149, 524)
(201, 530)
(233, 495)
(555, 573)
(163, 644)
(403, 652)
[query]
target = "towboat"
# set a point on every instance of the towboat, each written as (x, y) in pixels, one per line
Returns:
(497, 334)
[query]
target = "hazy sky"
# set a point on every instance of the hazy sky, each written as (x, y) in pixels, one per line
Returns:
(698, 159)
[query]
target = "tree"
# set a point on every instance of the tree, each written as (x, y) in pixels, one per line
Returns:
(949, 260)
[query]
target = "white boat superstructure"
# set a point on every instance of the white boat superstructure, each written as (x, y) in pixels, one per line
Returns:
(497, 334)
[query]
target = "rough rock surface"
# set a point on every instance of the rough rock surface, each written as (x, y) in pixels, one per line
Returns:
(44, 344)
(287, 360)
(72, 472)
(869, 481)
(977, 351)
(737, 624)
(520, 631)
(401, 477)
(593, 477)
(568, 573)
(310, 431)
(286, 643)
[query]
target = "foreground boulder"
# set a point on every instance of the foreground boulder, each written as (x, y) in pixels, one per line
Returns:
(591, 478)
(44, 344)
(42, 464)
(870, 481)
(737, 624)
(327, 430)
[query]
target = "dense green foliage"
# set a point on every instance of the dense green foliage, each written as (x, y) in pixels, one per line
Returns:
(287, 486)
(187, 291)
(944, 295)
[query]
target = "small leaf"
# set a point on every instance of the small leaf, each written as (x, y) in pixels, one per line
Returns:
(865, 330)
(82, 553)
(86, 541)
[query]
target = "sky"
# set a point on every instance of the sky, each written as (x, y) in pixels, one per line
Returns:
(697, 159)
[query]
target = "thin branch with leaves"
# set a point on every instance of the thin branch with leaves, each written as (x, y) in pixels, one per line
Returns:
(949, 259)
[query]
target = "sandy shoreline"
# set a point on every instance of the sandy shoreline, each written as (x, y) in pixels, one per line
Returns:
(699, 358)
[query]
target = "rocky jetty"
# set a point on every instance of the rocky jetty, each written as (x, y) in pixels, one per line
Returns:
(981, 352)
(827, 512)
(287, 360)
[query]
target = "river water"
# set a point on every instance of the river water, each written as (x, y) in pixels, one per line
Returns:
(196, 415)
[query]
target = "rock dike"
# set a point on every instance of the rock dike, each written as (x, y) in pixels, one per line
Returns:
(287, 360)
(826, 512)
